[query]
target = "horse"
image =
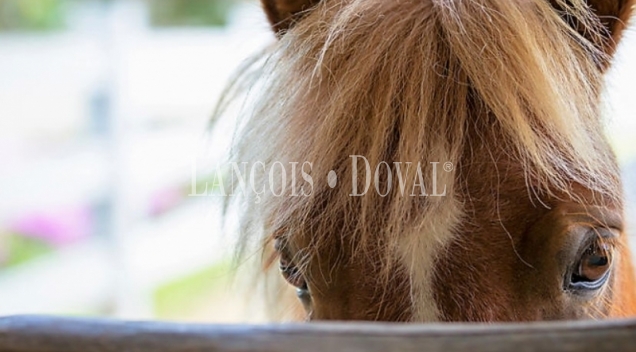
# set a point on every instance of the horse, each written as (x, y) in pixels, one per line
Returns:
(451, 160)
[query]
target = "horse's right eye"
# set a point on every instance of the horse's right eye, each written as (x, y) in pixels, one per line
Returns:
(288, 268)
(291, 273)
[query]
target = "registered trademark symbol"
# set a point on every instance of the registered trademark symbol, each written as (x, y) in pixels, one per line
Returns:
(448, 166)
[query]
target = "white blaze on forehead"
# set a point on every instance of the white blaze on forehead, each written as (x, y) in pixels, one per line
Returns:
(420, 249)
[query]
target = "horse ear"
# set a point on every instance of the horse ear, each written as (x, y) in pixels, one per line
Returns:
(614, 15)
(282, 14)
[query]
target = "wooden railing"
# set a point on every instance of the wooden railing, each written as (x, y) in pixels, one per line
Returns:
(31, 334)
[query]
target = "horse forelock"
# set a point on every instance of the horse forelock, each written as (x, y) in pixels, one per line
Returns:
(402, 81)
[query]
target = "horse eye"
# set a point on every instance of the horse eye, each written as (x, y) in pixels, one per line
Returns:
(291, 273)
(593, 267)
(288, 268)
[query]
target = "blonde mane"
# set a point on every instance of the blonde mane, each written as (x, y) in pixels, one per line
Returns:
(404, 81)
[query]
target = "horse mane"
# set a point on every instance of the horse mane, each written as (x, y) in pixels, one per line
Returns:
(402, 81)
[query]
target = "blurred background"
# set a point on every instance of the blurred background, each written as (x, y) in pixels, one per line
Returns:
(104, 108)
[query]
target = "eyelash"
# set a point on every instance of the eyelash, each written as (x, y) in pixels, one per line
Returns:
(288, 269)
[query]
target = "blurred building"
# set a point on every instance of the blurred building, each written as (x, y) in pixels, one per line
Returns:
(104, 107)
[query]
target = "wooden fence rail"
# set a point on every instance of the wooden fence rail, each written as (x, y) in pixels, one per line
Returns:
(43, 334)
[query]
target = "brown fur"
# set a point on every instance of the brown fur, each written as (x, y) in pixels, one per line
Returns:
(506, 90)
(283, 13)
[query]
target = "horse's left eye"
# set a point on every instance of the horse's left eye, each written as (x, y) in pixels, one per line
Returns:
(593, 267)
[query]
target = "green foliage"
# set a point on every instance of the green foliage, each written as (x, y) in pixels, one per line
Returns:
(31, 15)
(184, 296)
(43, 15)
(21, 249)
(170, 13)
